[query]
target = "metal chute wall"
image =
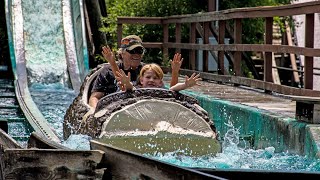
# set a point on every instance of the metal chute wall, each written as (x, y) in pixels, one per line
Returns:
(48, 37)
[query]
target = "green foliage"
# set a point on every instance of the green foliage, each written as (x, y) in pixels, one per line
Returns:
(99, 59)
(253, 28)
(149, 33)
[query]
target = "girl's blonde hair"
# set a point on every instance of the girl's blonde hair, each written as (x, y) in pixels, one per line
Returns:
(153, 67)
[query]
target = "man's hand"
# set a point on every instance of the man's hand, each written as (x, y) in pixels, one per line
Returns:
(108, 55)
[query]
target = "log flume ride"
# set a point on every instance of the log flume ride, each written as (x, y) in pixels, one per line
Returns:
(146, 120)
(45, 158)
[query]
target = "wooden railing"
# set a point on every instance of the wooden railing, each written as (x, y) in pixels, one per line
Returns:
(236, 15)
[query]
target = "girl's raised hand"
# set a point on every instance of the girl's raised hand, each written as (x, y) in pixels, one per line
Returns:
(124, 80)
(192, 81)
(176, 62)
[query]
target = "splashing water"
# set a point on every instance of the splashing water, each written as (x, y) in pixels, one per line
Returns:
(78, 142)
(53, 103)
(53, 100)
(235, 157)
(44, 42)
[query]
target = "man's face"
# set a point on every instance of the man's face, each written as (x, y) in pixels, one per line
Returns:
(132, 59)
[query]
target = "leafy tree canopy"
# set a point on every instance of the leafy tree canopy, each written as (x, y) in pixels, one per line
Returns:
(162, 8)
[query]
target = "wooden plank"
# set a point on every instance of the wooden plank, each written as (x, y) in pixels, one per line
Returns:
(251, 12)
(309, 43)
(237, 40)
(7, 141)
(248, 47)
(152, 44)
(119, 34)
(221, 38)
(311, 99)
(51, 164)
(308, 112)
(192, 53)
(165, 40)
(253, 83)
(268, 55)
(212, 5)
(123, 164)
(205, 55)
(139, 20)
(307, 108)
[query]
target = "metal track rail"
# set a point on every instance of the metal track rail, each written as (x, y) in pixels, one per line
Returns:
(33, 114)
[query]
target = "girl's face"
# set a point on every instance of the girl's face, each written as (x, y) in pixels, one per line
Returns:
(150, 79)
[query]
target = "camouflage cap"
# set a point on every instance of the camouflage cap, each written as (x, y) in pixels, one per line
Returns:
(130, 42)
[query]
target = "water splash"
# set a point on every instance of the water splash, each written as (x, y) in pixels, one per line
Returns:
(234, 154)
(44, 42)
(78, 142)
(53, 101)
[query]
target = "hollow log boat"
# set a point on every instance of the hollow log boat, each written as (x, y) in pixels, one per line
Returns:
(145, 120)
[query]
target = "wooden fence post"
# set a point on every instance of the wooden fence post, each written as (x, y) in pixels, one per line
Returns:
(178, 36)
(192, 52)
(237, 40)
(308, 60)
(165, 40)
(268, 55)
(222, 28)
(119, 34)
(205, 64)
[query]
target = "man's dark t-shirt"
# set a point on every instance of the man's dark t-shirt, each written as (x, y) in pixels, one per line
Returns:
(106, 82)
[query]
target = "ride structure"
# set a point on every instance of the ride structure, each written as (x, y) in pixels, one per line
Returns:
(145, 120)
(17, 162)
(55, 52)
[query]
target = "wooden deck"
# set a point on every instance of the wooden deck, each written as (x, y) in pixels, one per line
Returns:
(251, 97)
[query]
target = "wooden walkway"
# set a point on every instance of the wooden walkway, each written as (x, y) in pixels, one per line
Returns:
(251, 97)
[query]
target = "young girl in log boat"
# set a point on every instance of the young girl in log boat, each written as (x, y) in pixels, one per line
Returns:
(151, 76)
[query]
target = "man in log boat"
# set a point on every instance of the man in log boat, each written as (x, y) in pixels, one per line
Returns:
(129, 56)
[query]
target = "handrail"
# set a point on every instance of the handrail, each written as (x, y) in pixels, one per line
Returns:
(236, 13)
(252, 12)
(248, 47)
(257, 84)
(308, 9)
